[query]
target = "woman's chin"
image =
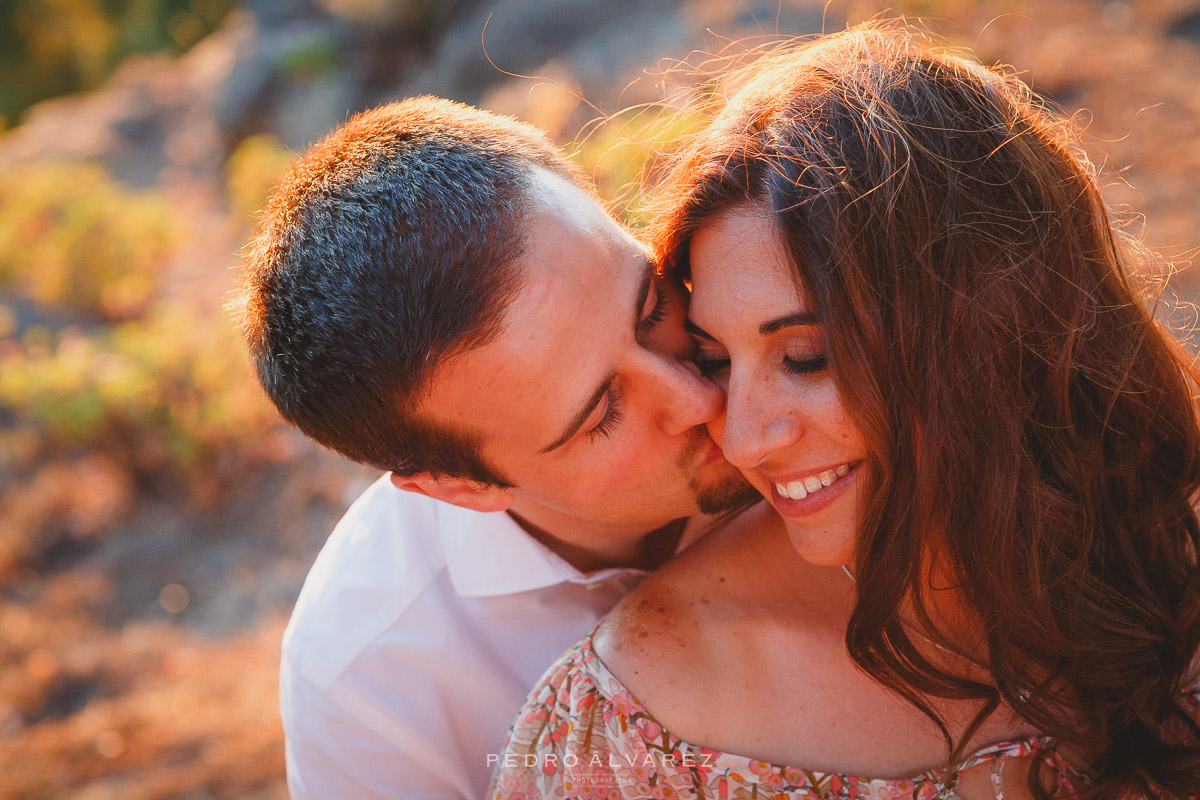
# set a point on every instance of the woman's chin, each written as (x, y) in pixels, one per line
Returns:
(821, 546)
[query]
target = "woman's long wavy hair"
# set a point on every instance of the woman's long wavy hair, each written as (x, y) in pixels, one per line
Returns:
(1032, 429)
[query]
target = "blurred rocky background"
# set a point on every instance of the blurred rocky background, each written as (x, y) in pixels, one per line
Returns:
(156, 521)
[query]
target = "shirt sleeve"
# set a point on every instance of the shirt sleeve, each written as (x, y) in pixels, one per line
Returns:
(335, 752)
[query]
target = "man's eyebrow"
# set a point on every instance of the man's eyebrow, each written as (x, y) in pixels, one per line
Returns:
(580, 418)
(697, 330)
(799, 318)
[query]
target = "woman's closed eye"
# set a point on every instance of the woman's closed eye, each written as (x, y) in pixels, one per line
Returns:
(806, 365)
(711, 364)
(711, 357)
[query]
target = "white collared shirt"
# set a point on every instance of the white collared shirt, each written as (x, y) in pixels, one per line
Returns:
(417, 634)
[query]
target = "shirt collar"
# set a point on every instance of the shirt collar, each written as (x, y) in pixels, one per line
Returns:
(489, 554)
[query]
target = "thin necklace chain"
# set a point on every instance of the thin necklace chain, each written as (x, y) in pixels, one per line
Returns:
(909, 628)
(949, 792)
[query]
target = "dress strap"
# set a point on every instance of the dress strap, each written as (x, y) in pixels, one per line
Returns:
(998, 775)
(949, 791)
(998, 755)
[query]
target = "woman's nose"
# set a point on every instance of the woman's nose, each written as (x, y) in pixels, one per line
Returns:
(757, 421)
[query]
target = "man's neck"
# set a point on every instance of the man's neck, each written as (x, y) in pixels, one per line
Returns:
(590, 547)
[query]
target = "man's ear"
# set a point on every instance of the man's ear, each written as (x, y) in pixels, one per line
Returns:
(457, 491)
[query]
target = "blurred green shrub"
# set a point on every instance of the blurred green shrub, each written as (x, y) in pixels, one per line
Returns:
(312, 59)
(253, 169)
(54, 47)
(90, 421)
(623, 153)
(170, 396)
(158, 397)
(71, 236)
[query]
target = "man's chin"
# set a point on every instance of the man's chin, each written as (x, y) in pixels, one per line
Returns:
(729, 492)
(725, 489)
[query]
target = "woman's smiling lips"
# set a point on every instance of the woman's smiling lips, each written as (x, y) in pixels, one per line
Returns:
(800, 495)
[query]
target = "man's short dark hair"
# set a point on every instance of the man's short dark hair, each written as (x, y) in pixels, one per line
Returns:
(388, 249)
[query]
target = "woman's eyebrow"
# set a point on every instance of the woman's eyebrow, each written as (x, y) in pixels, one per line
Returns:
(765, 329)
(779, 323)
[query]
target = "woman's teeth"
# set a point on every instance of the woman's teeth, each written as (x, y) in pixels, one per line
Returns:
(800, 489)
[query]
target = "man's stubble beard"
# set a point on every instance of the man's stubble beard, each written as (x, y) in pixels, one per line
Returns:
(727, 492)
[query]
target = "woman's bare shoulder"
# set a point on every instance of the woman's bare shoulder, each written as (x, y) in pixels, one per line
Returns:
(666, 625)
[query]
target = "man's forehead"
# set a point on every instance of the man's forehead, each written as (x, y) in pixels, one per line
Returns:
(550, 194)
(557, 337)
(511, 387)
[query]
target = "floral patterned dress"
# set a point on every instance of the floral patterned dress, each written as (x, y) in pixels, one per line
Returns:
(581, 734)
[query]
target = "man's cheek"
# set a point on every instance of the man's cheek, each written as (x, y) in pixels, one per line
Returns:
(608, 475)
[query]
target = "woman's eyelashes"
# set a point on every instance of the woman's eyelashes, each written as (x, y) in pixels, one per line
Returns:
(611, 418)
(805, 366)
(711, 363)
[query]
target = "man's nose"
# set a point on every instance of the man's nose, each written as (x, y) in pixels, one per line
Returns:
(686, 398)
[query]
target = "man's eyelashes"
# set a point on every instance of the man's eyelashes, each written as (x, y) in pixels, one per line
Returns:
(657, 314)
(611, 418)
